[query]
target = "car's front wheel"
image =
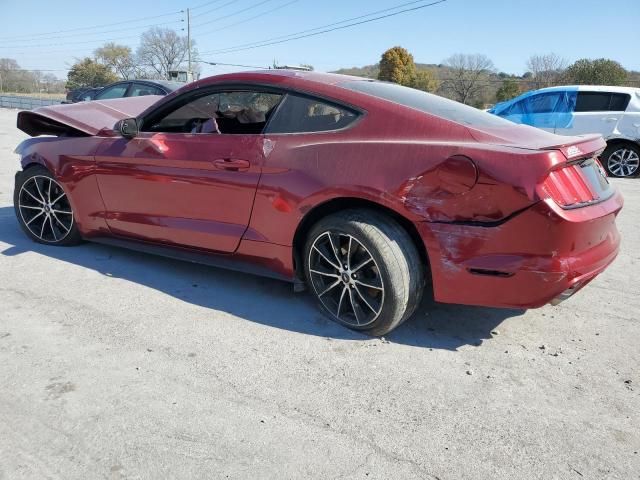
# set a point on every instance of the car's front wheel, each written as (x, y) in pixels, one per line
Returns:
(364, 269)
(622, 160)
(43, 208)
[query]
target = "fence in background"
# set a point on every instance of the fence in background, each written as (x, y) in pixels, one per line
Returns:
(25, 103)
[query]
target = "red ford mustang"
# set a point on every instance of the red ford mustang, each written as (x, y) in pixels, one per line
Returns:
(366, 192)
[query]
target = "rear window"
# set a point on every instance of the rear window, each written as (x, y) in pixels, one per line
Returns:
(602, 102)
(428, 103)
(299, 114)
(619, 102)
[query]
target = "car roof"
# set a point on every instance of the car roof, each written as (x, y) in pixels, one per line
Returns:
(589, 88)
(167, 85)
(281, 75)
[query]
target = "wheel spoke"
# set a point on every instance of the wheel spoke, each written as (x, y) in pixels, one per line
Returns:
(44, 222)
(60, 223)
(353, 306)
(32, 208)
(349, 251)
(333, 249)
(53, 230)
(330, 287)
(326, 259)
(49, 191)
(368, 285)
(35, 180)
(362, 264)
(365, 300)
(33, 218)
(344, 290)
(326, 274)
(62, 211)
(57, 199)
(32, 195)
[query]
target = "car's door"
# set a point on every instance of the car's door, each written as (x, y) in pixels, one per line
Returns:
(139, 89)
(596, 112)
(189, 177)
(118, 90)
(540, 110)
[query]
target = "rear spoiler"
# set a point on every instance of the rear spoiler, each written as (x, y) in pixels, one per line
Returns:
(589, 146)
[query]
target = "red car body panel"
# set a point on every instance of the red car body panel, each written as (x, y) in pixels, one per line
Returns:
(476, 197)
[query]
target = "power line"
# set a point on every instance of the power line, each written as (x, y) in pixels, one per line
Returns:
(217, 8)
(325, 28)
(233, 14)
(77, 42)
(249, 19)
(101, 33)
(205, 4)
(91, 27)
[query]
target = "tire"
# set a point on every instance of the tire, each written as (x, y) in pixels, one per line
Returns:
(43, 209)
(384, 279)
(622, 160)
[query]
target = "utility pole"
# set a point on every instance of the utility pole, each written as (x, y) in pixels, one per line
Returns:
(189, 44)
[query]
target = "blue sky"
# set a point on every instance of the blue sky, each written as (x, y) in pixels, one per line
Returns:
(506, 31)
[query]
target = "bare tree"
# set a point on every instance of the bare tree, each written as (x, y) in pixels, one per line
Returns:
(467, 76)
(546, 70)
(162, 50)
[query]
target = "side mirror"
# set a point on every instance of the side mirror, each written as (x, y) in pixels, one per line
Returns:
(128, 127)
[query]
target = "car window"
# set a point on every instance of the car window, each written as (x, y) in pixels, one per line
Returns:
(542, 103)
(300, 114)
(140, 89)
(619, 102)
(516, 109)
(593, 101)
(116, 91)
(428, 103)
(233, 112)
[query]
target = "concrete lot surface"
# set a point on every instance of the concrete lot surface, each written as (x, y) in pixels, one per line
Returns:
(121, 365)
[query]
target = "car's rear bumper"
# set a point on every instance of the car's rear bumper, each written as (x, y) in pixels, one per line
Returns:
(542, 255)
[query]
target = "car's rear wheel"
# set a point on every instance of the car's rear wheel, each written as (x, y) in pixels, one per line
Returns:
(43, 208)
(622, 160)
(364, 269)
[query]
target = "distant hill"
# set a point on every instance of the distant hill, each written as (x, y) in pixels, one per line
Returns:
(371, 71)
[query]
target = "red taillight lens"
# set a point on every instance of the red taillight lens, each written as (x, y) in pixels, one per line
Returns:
(576, 184)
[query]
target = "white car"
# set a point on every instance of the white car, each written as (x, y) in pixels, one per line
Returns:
(613, 112)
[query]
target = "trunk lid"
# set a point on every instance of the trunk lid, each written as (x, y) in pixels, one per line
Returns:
(84, 118)
(573, 179)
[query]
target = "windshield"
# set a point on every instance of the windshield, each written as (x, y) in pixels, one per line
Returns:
(427, 102)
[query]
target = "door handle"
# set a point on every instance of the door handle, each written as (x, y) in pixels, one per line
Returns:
(233, 165)
(610, 119)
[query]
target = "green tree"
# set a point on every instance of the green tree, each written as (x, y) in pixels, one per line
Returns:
(424, 80)
(89, 73)
(118, 58)
(508, 90)
(601, 71)
(397, 65)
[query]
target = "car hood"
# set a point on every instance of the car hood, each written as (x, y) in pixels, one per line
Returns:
(85, 118)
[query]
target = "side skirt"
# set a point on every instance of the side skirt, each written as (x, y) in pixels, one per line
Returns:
(235, 262)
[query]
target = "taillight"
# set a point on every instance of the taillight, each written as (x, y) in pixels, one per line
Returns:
(577, 184)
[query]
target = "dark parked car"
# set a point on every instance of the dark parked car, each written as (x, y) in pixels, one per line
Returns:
(78, 94)
(366, 192)
(128, 88)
